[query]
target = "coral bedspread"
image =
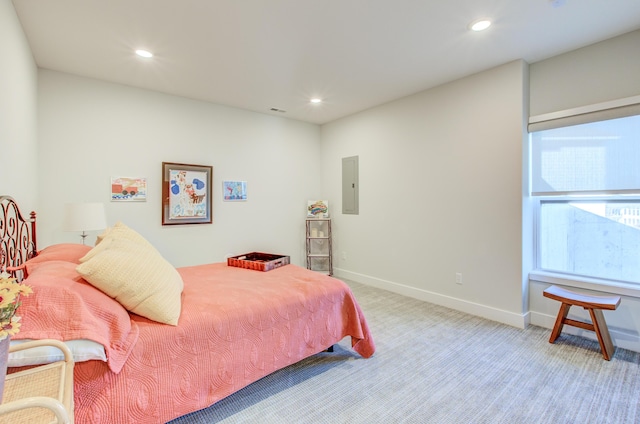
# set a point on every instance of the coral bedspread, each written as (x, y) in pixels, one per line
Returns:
(236, 327)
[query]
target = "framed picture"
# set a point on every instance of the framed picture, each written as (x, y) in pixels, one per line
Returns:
(127, 189)
(318, 209)
(234, 191)
(186, 194)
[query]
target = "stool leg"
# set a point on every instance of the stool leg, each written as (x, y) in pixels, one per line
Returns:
(562, 315)
(604, 338)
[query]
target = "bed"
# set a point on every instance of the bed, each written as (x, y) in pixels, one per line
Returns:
(233, 325)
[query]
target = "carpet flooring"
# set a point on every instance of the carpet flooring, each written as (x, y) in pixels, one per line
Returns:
(437, 365)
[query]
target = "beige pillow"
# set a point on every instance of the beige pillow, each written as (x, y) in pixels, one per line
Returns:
(134, 273)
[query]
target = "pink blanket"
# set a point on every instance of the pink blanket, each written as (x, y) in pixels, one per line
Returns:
(65, 307)
(236, 327)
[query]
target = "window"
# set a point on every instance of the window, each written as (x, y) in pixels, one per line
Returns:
(586, 182)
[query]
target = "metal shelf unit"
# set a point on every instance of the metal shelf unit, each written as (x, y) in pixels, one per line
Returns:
(318, 242)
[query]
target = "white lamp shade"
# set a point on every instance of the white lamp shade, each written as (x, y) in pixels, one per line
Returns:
(84, 217)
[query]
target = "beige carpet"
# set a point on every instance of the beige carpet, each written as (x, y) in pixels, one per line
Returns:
(436, 365)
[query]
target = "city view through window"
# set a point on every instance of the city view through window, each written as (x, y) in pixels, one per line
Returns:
(588, 181)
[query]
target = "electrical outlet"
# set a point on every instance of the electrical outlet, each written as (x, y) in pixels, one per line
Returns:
(458, 278)
(344, 256)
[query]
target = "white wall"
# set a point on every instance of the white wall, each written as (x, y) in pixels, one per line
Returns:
(440, 192)
(605, 71)
(92, 130)
(594, 74)
(18, 112)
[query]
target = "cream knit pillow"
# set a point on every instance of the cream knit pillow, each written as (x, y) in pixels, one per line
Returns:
(134, 273)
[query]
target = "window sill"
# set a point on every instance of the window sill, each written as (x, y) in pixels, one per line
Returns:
(606, 286)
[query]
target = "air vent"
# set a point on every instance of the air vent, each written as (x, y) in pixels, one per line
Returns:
(275, 109)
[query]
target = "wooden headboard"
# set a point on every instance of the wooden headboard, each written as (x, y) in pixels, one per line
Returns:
(17, 237)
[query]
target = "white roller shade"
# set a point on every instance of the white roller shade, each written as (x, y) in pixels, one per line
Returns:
(597, 157)
(621, 108)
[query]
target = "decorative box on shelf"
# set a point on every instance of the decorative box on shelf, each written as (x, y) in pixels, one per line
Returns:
(258, 261)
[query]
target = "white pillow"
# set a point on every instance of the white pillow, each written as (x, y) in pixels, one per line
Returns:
(129, 269)
(82, 350)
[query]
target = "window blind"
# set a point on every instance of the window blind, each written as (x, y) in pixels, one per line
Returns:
(601, 157)
(621, 108)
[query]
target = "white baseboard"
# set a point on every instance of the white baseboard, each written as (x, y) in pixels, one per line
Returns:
(505, 317)
(622, 339)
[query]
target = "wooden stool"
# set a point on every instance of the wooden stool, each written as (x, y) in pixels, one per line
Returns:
(594, 304)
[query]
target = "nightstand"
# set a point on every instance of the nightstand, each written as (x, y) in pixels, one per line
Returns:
(41, 394)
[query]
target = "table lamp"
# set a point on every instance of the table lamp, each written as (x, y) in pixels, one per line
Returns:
(84, 217)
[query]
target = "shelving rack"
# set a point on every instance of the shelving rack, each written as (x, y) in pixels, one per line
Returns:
(319, 248)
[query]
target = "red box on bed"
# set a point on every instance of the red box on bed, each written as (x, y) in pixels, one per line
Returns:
(258, 261)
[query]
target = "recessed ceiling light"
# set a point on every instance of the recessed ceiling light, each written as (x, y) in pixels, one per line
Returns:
(316, 100)
(144, 53)
(480, 25)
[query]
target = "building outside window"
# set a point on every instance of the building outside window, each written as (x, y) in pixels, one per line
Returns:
(586, 186)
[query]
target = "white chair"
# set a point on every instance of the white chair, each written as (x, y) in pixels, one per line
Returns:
(42, 394)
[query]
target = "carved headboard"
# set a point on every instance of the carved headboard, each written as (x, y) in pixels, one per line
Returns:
(17, 236)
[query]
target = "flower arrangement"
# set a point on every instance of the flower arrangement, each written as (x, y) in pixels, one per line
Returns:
(10, 292)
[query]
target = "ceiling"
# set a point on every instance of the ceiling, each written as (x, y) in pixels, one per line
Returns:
(263, 54)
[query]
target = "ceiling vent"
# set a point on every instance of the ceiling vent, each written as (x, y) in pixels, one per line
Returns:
(275, 109)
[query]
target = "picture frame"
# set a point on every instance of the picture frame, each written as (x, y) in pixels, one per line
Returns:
(318, 209)
(128, 189)
(234, 191)
(187, 191)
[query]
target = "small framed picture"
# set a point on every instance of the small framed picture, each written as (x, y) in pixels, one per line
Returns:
(127, 189)
(186, 194)
(318, 209)
(234, 191)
